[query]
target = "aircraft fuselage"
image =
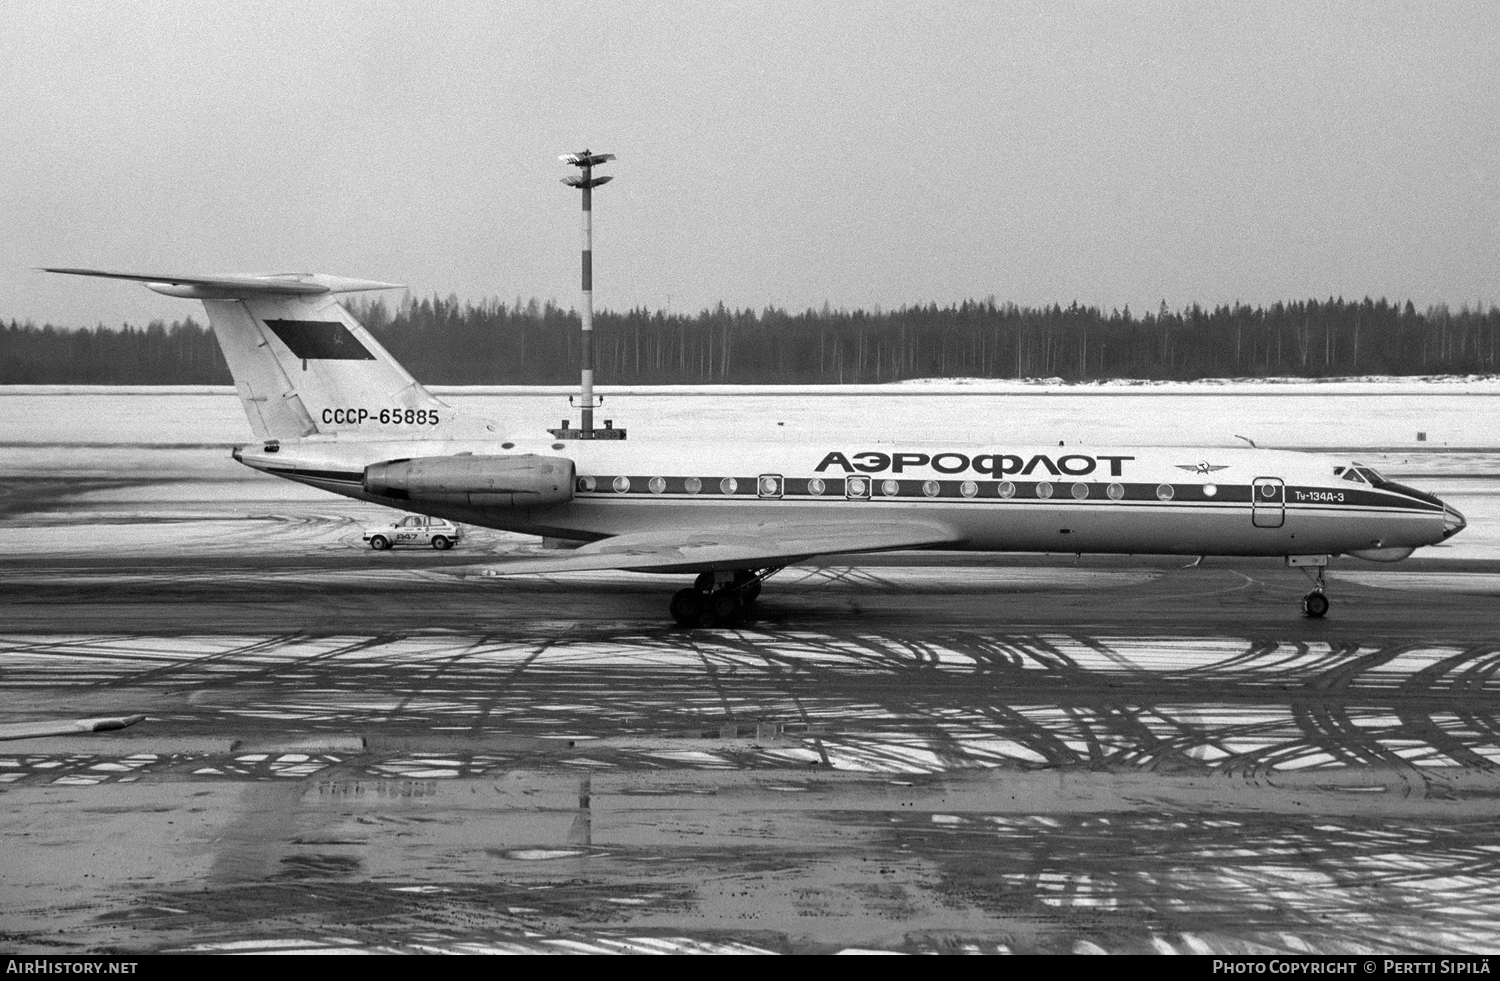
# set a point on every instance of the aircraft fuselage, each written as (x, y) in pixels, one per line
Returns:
(1189, 501)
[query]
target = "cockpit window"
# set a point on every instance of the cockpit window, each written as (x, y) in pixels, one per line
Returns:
(1350, 474)
(1369, 474)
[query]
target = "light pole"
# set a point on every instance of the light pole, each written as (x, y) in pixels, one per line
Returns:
(586, 182)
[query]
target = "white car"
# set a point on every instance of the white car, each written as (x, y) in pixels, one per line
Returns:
(414, 529)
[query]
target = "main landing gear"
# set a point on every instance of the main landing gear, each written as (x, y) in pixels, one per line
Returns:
(720, 597)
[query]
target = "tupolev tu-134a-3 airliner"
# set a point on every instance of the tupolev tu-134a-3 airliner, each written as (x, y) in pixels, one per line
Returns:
(332, 409)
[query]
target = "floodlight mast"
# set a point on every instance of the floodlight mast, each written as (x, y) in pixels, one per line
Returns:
(586, 182)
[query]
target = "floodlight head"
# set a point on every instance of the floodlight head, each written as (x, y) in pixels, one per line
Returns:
(585, 158)
(592, 182)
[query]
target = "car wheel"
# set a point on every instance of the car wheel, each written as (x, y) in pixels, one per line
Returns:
(441, 542)
(380, 543)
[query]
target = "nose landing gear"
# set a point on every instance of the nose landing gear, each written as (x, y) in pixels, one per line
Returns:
(1315, 603)
(720, 597)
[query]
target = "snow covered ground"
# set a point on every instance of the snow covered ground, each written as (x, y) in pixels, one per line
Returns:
(1443, 413)
(1440, 434)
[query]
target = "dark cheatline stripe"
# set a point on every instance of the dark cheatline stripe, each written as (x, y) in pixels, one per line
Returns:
(1363, 498)
(835, 488)
(320, 340)
(1431, 500)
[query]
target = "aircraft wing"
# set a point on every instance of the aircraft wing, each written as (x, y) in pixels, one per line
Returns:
(66, 727)
(742, 546)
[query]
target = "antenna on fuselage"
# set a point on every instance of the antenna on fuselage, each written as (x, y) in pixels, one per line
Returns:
(586, 160)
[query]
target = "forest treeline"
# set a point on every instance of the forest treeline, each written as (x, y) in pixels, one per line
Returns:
(445, 341)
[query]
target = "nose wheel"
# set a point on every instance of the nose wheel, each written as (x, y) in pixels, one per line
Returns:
(1315, 603)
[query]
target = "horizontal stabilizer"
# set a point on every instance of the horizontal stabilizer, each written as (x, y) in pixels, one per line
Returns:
(238, 285)
(747, 546)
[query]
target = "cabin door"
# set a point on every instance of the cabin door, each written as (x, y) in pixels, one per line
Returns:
(1268, 505)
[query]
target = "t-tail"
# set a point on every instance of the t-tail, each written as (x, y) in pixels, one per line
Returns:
(302, 364)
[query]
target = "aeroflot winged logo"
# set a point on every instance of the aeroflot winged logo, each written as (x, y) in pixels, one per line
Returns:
(993, 464)
(1202, 466)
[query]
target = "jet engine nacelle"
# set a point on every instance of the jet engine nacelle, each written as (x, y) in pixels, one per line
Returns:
(525, 480)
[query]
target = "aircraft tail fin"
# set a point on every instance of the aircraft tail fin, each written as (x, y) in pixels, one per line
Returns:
(302, 364)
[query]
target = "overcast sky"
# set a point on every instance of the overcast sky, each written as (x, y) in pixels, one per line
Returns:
(857, 153)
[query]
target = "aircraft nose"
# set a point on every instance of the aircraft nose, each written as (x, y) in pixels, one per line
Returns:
(1453, 521)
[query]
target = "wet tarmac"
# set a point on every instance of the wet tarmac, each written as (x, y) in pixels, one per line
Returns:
(363, 754)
